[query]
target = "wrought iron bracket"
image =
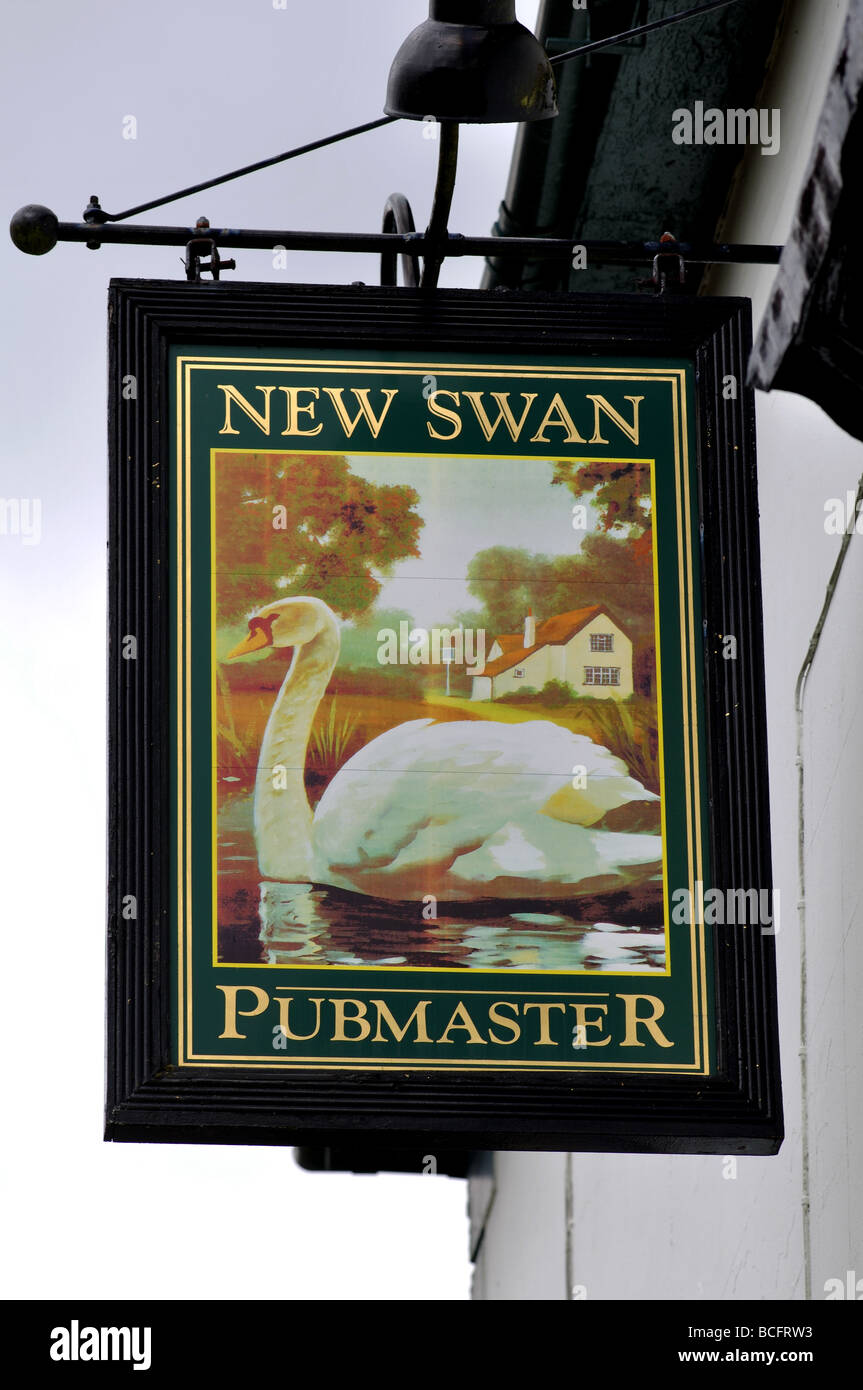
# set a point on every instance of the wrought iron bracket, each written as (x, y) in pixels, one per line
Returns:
(668, 264)
(399, 218)
(202, 246)
(437, 232)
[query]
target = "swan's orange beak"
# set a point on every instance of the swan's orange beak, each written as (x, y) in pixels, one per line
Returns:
(252, 643)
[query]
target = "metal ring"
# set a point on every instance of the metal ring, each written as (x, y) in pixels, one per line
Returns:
(399, 218)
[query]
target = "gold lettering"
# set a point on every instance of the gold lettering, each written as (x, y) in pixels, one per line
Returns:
(230, 992)
(397, 1032)
(582, 1022)
(359, 1018)
(293, 409)
(261, 420)
(545, 1038)
(600, 403)
(285, 1024)
(633, 1019)
(503, 412)
(495, 1017)
(365, 411)
(468, 1026)
(443, 413)
(564, 421)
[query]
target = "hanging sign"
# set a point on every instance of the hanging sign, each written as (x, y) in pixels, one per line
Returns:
(438, 767)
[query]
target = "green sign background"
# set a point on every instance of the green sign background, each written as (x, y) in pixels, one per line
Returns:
(459, 1001)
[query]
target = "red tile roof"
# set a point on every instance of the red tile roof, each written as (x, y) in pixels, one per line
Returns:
(554, 631)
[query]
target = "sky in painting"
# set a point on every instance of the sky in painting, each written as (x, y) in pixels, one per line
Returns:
(529, 513)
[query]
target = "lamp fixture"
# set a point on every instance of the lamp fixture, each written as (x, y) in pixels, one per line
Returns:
(471, 61)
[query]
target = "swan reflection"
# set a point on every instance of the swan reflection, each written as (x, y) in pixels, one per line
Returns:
(312, 925)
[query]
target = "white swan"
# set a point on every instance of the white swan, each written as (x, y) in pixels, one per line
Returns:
(464, 810)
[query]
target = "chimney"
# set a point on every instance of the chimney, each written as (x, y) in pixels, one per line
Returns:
(529, 630)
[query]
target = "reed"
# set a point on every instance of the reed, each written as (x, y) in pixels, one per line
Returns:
(331, 738)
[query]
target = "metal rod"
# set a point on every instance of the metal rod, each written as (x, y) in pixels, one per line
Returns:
(654, 24)
(436, 232)
(417, 244)
(100, 217)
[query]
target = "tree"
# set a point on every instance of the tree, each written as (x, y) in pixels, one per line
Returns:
(619, 491)
(620, 494)
(290, 524)
(509, 582)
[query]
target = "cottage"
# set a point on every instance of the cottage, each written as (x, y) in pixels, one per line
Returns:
(586, 648)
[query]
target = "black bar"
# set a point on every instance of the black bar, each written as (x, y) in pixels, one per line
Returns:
(229, 1333)
(599, 252)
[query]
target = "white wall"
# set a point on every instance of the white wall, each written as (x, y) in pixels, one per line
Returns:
(633, 1227)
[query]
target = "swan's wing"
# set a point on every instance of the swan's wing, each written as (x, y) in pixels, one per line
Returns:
(423, 795)
(565, 860)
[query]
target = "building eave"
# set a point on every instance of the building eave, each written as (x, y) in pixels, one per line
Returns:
(606, 167)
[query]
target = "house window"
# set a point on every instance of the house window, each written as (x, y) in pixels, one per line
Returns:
(518, 673)
(602, 641)
(602, 675)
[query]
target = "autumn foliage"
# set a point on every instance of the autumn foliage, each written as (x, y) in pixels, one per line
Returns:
(290, 524)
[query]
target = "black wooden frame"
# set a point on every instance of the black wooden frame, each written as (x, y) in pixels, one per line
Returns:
(739, 1110)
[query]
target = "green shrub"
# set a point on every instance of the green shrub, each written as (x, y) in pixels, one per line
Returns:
(526, 696)
(557, 693)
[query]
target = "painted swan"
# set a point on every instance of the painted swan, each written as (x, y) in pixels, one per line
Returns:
(464, 810)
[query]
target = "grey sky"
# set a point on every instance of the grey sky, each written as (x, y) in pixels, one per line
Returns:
(210, 87)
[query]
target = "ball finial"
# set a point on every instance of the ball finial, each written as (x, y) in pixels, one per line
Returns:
(34, 229)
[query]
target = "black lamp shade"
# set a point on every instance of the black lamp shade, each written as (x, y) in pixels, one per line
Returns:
(471, 61)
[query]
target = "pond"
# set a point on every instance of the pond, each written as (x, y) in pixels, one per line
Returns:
(304, 924)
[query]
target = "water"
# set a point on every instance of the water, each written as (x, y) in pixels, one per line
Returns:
(302, 924)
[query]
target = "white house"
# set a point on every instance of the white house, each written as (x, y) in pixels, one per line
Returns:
(586, 648)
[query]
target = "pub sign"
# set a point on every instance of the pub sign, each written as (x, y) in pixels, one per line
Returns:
(438, 758)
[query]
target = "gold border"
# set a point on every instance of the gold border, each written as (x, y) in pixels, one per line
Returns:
(676, 378)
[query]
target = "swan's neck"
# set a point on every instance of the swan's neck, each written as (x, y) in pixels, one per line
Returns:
(283, 819)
